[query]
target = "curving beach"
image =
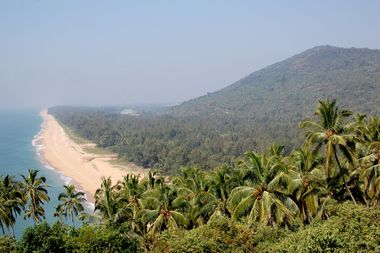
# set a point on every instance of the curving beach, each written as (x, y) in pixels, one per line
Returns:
(84, 168)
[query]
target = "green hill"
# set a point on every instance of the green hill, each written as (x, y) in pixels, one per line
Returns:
(262, 108)
(291, 87)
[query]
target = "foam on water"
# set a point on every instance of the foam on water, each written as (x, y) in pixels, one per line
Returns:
(21, 149)
(38, 145)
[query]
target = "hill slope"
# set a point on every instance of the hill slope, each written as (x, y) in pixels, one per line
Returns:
(289, 89)
(258, 110)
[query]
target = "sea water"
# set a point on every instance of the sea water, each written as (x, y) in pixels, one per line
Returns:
(20, 150)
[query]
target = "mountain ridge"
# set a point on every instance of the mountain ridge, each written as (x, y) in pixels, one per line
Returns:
(258, 110)
(317, 59)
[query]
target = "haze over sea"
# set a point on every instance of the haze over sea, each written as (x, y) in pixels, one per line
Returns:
(20, 150)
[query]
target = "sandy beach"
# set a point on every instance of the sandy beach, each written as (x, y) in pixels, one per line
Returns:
(84, 168)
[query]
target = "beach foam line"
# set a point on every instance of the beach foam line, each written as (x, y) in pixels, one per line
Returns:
(37, 143)
(84, 168)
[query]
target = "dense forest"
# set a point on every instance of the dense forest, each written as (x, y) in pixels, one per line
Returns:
(263, 108)
(322, 196)
(161, 141)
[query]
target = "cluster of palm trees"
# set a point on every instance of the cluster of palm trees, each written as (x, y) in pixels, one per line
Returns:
(28, 195)
(339, 161)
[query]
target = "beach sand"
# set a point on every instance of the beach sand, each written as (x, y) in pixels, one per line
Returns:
(84, 168)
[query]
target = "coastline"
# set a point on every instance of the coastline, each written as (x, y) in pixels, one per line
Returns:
(59, 152)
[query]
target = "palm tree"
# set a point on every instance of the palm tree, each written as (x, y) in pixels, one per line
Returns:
(331, 132)
(193, 186)
(11, 202)
(35, 192)
(371, 178)
(105, 200)
(305, 169)
(59, 212)
(153, 179)
(87, 218)
(221, 182)
(129, 191)
(369, 169)
(5, 219)
(265, 199)
(162, 209)
(72, 202)
(191, 178)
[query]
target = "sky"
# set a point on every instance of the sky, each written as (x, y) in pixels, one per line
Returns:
(146, 52)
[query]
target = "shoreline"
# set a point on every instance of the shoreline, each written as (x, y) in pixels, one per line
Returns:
(85, 170)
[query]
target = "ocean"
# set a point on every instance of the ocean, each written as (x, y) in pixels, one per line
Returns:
(20, 150)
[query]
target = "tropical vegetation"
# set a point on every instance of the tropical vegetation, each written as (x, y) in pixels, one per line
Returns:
(320, 197)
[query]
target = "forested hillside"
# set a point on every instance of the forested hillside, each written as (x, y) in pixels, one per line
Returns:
(262, 108)
(288, 88)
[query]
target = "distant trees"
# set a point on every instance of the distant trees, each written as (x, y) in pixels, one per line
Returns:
(166, 142)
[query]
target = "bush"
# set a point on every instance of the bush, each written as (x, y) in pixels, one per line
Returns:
(350, 229)
(219, 235)
(88, 238)
(94, 238)
(43, 238)
(7, 244)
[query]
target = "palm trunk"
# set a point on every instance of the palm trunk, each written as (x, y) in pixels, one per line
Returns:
(34, 208)
(33, 215)
(341, 174)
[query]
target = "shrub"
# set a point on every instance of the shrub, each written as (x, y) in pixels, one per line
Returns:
(7, 244)
(350, 229)
(95, 238)
(219, 235)
(88, 238)
(43, 238)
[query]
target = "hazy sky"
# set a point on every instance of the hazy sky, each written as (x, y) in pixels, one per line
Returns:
(123, 52)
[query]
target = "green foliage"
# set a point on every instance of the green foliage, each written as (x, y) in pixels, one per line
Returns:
(264, 201)
(350, 229)
(90, 239)
(7, 244)
(71, 203)
(35, 192)
(219, 235)
(43, 238)
(11, 201)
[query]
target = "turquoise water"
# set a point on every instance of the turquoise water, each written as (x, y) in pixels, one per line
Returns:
(19, 150)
